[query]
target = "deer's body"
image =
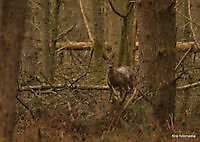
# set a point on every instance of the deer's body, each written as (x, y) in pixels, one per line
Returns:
(120, 79)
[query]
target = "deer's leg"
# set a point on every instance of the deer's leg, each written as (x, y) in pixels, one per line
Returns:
(111, 95)
(124, 98)
(116, 95)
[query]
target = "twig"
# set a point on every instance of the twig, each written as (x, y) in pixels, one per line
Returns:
(80, 77)
(192, 21)
(86, 22)
(23, 104)
(47, 81)
(64, 85)
(193, 35)
(184, 56)
(64, 33)
(196, 84)
(191, 26)
(178, 3)
(74, 46)
(39, 5)
(130, 7)
(115, 11)
(130, 99)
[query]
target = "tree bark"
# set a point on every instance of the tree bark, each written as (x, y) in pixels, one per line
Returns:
(47, 56)
(11, 40)
(124, 52)
(195, 11)
(29, 53)
(186, 28)
(99, 37)
(157, 38)
(54, 35)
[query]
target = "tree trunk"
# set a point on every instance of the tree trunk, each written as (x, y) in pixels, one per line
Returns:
(99, 25)
(123, 49)
(157, 38)
(47, 56)
(54, 36)
(29, 53)
(11, 39)
(132, 31)
(127, 36)
(186, 28)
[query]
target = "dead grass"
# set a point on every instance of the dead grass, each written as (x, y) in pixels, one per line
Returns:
(84, 116)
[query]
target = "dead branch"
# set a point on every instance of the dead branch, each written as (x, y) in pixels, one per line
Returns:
(25, 106)
(86, 22)
(187, 18)
(191, 25)
(181, 46)
(115, 11)
(88, 87)
(183, 57)
(130, 7)
(65, 32)
(187, 86)
(73, 46)
(61, 86)
(184, 46)
(193, 35)
(75, 81)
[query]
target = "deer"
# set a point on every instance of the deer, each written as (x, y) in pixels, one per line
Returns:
(120, 80)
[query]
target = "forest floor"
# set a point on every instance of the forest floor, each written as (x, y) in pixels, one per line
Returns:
(75, 115)
(85, 116)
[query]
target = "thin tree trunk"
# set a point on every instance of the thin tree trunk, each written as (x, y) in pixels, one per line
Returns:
(28, 63)
(99, 25)
(186, 30)
(47, 68)
(11, 40)
(123, 49)
(157, 38)
(132, 32)
(54, 34)
(125, 45)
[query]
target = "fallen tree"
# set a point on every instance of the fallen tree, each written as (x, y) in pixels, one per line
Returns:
(88, 87)
(180, 46)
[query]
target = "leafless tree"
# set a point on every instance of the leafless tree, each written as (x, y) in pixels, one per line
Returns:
(157, 38)
(12, 28)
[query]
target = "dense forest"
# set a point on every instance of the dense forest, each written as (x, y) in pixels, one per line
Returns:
(99, 70)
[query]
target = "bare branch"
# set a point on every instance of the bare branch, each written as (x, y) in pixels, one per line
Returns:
(25, 106)
(183, 57)
(196, 84)
(74, 46)
(187, 18)
(130, 7)
(191, 26)
(62, 86)
(64, 33)
(115, 11)
(86, 22)
(193, 35)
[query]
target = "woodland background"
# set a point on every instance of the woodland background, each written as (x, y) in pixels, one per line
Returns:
(62, 81)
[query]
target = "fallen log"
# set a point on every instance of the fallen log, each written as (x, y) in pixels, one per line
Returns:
(88, 87)
(73, 46)
(63, 86)
(180, 46)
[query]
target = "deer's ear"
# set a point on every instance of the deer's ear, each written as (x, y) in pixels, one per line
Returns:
(112, 56)
(105, 57)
